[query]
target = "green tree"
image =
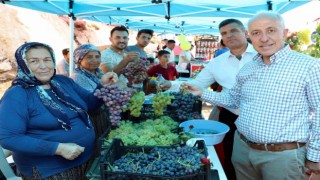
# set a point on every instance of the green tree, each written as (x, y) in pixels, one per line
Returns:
(314, 49)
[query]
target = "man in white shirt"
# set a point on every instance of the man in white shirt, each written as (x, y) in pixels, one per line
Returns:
(223, 70)
(116, 58)
(170, 46)
(276, 92)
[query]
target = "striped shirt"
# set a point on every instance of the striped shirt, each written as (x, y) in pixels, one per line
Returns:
(276, 100)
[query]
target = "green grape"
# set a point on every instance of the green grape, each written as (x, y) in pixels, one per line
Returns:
(135, 104)
(148, 133)
(159, 101)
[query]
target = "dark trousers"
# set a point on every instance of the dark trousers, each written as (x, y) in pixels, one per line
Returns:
(228, 118)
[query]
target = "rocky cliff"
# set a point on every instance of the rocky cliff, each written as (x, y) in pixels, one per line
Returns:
(19, 25)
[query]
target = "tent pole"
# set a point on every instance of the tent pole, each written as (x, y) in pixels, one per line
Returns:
(71, 62)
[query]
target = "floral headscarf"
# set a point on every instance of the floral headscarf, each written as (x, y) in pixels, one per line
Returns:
(26, 79)
(83, 50)
(79, 54)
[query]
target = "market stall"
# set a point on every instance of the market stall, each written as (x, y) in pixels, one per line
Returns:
(155, 121)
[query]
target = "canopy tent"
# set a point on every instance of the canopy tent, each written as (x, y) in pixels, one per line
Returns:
(162, 16)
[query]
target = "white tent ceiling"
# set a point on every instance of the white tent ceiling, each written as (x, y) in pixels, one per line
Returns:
(166, 16)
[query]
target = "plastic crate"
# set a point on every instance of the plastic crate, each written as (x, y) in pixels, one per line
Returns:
(117, 149)
(103, 146)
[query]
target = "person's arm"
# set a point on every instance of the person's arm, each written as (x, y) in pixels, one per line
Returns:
(130, 56)
(15, 116)
(206, 77)
(228, 99)
(313, 94)
(104, 68)
(92, 101)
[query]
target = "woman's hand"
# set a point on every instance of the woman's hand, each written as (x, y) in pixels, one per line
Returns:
(195, 90)
(109, 78)
(69, 151)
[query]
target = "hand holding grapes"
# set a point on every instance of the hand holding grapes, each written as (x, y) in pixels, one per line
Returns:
(109, 78)
(195, 90)
(131, 56)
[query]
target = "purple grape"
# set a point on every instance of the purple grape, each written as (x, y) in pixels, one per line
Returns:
(114, 99)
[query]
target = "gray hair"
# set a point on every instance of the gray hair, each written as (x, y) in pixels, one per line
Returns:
(268, 14)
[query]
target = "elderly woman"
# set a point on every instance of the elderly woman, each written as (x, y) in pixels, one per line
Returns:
(87, 74)
(43, 118)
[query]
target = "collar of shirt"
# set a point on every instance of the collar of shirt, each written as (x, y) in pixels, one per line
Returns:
(249, 49)
(277, 57)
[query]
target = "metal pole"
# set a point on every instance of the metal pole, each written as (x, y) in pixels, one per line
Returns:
(71, 62)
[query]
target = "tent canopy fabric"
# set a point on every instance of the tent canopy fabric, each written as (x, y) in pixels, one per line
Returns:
(163, 16)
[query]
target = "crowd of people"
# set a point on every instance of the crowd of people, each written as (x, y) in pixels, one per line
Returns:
(270, 100)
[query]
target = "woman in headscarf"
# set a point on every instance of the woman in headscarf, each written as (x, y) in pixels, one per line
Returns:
(43, 118)
(87, 74)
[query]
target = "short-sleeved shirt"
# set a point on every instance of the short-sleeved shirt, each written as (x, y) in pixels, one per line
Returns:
(111, 59)
(168, 73)
(135, 48)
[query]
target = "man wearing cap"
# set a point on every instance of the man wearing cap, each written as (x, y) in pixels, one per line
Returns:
(63, 65)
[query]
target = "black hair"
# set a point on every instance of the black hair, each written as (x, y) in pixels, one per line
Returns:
(146, 31)
(229, 21)
(162, 52)
(171, 41)
(119, 28)
(150, 59)
(65, 51)
(222, 43)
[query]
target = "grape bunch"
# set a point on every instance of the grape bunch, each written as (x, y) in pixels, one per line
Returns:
(183, 104)
(115, 99)
(164, 162)
(159, 101)
(136, 71)
(135, 104)
(162, 131)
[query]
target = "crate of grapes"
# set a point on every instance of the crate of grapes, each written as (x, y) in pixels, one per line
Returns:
(154, 162)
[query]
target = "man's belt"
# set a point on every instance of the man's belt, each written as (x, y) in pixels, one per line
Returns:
(272, 147)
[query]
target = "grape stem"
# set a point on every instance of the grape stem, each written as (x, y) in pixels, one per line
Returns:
(183, 164)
